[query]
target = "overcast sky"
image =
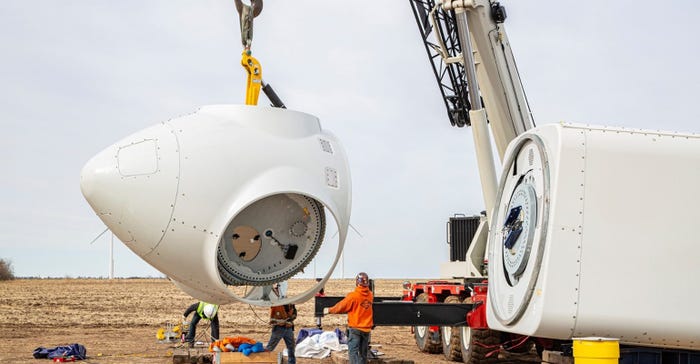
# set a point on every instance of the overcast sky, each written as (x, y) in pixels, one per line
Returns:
(76, 76)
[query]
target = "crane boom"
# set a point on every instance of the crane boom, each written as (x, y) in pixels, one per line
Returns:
(499, 84)
(497, 73)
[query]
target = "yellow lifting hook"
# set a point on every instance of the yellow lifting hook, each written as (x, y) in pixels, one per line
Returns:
(252, 66)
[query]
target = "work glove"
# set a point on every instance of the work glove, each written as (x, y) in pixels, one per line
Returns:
(245, 348)
(326, 310)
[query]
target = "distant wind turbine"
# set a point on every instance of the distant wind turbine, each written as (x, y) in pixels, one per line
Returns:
(111, 252)
(342, 255)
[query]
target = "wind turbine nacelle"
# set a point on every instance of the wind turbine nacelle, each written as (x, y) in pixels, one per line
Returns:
(594, 233)
(231, 195)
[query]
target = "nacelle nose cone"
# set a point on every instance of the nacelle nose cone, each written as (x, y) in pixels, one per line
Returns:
(132, 186)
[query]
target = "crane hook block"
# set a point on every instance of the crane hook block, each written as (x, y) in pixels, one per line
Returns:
(248, 10)
(256, 5)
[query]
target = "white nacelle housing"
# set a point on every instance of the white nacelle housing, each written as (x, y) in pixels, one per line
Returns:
(595, 234)
(231, 195)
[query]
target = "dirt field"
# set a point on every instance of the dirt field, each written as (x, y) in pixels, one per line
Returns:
(117, 320)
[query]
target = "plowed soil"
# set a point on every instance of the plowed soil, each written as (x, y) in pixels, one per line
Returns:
(117, 320)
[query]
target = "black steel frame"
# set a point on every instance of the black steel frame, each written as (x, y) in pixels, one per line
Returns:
(391, 311)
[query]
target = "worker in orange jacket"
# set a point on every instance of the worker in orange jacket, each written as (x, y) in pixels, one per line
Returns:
(358, 305)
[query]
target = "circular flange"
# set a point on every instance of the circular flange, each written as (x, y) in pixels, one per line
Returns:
(290, 229)
(519, 228)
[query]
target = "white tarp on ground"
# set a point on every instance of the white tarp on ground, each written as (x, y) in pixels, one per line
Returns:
(319, 346)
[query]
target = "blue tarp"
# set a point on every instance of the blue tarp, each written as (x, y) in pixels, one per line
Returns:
(75, 350)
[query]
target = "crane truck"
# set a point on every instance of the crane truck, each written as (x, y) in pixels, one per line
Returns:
(453, 35)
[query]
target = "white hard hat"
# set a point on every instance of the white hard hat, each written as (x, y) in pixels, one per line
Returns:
(209, 310)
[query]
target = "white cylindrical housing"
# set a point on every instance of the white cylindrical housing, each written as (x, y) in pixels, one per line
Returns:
(231, 195)
(595, 234)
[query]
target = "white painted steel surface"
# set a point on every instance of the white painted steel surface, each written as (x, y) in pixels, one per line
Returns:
(174, 192)
(614, 248)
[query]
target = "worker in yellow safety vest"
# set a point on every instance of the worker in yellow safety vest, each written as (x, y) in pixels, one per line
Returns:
(206, 311)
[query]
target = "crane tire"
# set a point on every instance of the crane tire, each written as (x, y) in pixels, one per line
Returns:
(451, 347)
(427, 342)
(476, 344)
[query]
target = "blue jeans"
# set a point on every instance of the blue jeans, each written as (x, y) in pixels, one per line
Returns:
(286, 333)
(193, 328)
(358, 345)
